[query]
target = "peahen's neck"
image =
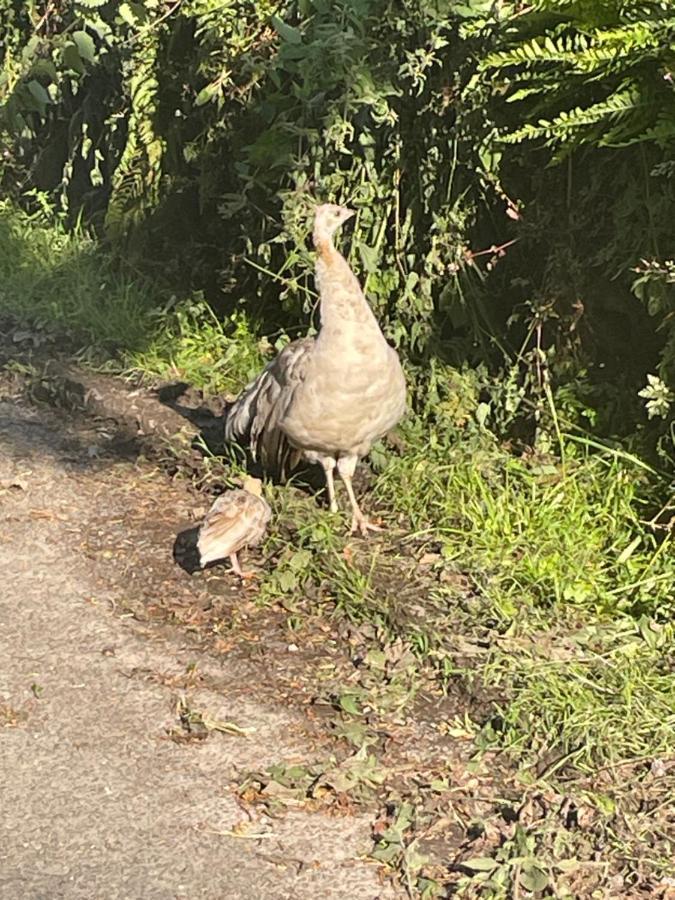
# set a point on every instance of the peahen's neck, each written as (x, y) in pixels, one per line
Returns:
(343, 304)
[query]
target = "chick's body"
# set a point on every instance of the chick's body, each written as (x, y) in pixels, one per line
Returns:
(237, 519)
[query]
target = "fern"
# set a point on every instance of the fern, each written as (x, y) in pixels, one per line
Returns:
(616, 57)
(570, 123)
(137, 178)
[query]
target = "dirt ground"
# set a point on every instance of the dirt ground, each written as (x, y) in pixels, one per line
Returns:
(103, 793)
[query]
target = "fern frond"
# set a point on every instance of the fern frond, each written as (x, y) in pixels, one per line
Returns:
(569, 123)
(609, 55)
(583, 52)
(137, 178)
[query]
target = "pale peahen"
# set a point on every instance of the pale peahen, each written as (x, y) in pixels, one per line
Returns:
(325, 399)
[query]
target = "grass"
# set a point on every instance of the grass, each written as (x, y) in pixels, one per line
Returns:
(572, 591)
(53, 278)
(599, 696)
(547, 586)
(542, 538)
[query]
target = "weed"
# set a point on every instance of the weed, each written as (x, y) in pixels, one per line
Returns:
(189, 343)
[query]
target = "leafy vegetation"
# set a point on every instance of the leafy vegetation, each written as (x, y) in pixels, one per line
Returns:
(59, 281)
(548, 585)
(593, 86)
(196, 135)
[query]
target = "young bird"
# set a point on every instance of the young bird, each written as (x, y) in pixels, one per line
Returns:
(237, 519)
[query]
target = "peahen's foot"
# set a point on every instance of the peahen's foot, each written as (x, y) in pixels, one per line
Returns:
(359, 521)
(364, 525)
(249, 576)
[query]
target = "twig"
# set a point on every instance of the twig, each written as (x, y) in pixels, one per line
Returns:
(289, 282)
(152, 25)
(242, 837)
(226, 727)
(47, 13)
(471, 255)
(624, 763)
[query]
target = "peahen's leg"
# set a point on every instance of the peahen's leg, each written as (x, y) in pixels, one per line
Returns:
(236, 568)
(346, 467)
(328, 463)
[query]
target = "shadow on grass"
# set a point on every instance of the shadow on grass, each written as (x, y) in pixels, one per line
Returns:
(64, 283)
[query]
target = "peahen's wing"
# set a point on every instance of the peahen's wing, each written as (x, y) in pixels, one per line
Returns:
(254, 418)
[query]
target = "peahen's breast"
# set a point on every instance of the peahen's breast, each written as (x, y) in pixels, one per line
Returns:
(353, 393)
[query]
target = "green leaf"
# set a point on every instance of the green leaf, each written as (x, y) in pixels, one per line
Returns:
(300, 560)
(482, 413)
(72, 59)
(386, 853)
(287, 581)
(45, 67)
(127, 14)
(38, 93)
(85, 45)
(134, 14)
(534, 879)
(205, 94)
(369, 257)
(474, 10)
(605, 804)
(411, 281)
(31, 48)
(286, 32)
(349, 704)
(479, 863)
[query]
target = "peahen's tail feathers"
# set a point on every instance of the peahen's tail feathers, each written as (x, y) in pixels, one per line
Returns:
(254, 420)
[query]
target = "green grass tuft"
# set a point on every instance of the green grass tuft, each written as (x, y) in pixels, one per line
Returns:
(540, 537)
(63, 281)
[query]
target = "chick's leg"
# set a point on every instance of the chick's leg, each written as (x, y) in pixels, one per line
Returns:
(236, 568)
(346, 467)
(328, 463)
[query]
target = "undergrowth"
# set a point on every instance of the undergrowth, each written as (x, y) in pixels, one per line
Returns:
(542, 548)
(556, 571)
(52, 277)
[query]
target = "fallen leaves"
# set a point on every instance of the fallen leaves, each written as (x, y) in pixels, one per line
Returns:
(196, 725)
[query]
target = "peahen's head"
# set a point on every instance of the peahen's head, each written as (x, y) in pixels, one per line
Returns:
(328, 218)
